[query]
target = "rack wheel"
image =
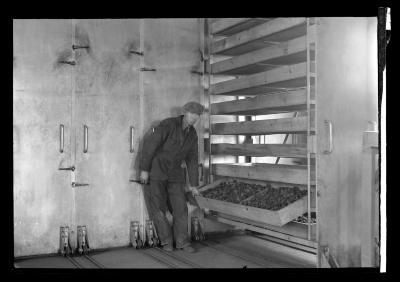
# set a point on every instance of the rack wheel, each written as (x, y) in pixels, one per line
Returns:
(155, 241)
(139, 244)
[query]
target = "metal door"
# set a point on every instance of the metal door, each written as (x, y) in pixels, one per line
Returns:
(346, 101)
(42, 85)
(106, 107)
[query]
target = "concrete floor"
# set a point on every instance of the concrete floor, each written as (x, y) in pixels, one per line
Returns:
(236, 251)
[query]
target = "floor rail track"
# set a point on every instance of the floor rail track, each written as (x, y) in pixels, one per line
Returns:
(77, 264)
(74, 262)
(151, 254)
(179, 258)
(92, 260)
(236, 253)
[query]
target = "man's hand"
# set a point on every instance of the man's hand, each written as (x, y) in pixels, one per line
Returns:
(144, 177)
(194, 190)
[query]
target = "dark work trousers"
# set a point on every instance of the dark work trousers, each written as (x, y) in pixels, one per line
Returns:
(162, 191)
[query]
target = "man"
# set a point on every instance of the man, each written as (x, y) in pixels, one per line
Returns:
(172, 144)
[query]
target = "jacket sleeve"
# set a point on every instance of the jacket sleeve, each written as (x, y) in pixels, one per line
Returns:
(192, 164)
(150, 145)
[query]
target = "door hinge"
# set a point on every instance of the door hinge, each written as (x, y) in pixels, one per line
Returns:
(147, 69)
(75, 184)
(83, 242)
(329, 257)
(137, 53)
(74, 47)
(197, 72)
(72, 168)
(72, 63)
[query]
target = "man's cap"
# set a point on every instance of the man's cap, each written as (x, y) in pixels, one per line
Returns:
(194, 107)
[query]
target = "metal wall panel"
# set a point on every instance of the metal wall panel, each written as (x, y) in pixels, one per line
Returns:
(345, 98)
(107, 102)
(43, 199)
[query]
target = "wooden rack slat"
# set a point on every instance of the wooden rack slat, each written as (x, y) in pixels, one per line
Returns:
(260, 150)
(292, 228)
(285, 53)
(276, 30)
(262, 230)
(287, 77)
(293, 174)
(261, 127)
(229, 26)
(289, 101)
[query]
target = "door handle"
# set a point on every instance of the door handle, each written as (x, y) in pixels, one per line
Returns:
(131, 149)
(201, 172)
(72, 168)
(85, 138)
(61, 138)
(330, 137)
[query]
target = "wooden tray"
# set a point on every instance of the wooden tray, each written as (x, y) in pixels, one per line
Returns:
(277, 218)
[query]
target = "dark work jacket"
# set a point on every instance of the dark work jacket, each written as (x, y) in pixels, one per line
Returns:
(166, 149)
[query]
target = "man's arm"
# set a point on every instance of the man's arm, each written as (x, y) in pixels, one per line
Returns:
(192, 165)
(151, 144)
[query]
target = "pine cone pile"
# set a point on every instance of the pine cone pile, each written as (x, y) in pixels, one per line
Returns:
(233, 191)
(275, 198)
(304, 219)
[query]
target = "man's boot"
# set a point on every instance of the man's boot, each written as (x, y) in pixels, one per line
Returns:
(188, 249)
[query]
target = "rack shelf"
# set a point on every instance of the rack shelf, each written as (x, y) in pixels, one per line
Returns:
(229, 26)
(288, 101)
(259, 127)
(286, 77)
(295, 235)
(260, 36)
(285, 53)
(291, 228)
(261, 150)
(293, 174)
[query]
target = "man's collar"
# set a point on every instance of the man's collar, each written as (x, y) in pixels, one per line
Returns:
(185, 125)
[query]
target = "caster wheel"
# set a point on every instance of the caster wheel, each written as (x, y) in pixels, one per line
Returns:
(155, 242)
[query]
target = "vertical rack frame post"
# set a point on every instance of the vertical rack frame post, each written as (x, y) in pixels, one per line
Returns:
(207, 89)
(315, 43)
(308, 132)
